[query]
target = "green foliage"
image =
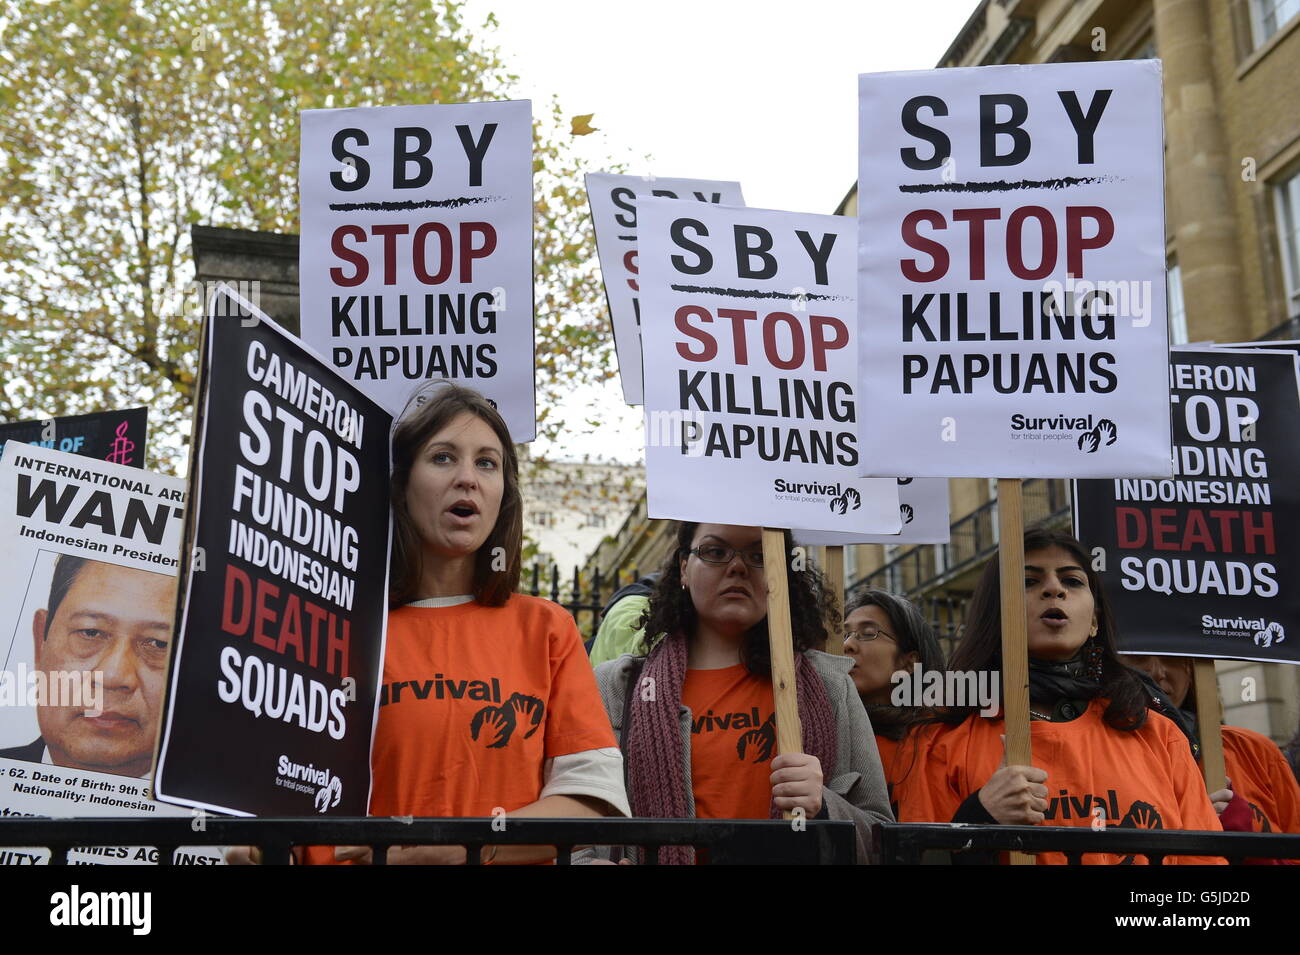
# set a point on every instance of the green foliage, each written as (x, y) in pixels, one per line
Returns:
(127, 122)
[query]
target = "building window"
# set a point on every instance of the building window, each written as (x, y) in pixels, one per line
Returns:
(595, 520)
(1269, 16)
(1287, 195)
(542, 518)
(1177, 313)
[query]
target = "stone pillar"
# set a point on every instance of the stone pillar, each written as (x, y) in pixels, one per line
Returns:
(1200, 174)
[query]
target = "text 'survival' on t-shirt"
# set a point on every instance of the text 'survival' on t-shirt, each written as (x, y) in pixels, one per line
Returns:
(474, 701)
(1096, 776)
(733, 740)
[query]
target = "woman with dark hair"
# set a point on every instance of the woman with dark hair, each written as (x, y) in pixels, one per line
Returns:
(696, 716)
(1262, 795)
(1103, 754)
(488, 703)
(885, 634)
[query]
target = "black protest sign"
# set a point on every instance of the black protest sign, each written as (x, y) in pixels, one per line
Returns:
(1206, 563)
(273, 684)
(116, 436)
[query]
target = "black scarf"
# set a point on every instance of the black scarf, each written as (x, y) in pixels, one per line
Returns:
(1054, 680)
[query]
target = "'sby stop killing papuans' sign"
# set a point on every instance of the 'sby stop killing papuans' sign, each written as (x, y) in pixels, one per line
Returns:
(416, 257)
(751, 415)
(1012, 272)
(613, 217)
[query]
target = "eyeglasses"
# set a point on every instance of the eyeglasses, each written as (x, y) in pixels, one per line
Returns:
(721, 554)
(867, 633)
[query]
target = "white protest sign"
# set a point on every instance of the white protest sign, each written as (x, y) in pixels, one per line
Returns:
(89, 602)
(416, 256)
(1012, 272)
(922, 508)
(613, 216)
(749, 401)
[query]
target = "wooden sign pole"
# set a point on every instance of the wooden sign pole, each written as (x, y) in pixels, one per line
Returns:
(789, 733)
(1209, 715)
(1015, 648)
(834, 566)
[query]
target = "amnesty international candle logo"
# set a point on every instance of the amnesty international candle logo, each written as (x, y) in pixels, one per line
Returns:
(123, 447)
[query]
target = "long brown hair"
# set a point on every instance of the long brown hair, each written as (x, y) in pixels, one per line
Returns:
(491, 587)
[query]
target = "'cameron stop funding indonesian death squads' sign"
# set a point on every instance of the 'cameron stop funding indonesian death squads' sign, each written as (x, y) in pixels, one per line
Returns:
(746, 323)
(613, 216)
(1206, 563)
(1012, 272)
(273, 686)
(416, 256)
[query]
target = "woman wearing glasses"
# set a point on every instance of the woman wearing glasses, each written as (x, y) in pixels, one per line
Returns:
(885, 634)
(695, 716)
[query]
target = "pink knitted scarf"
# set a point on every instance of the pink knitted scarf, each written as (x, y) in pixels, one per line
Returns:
(655, 751)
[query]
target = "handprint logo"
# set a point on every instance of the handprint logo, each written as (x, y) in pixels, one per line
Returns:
(328, 796)
(850, 500)
(1103, 433)
(528, 711)
(1142, 815)
(759, 742)
(494, 724)
(906, 513)
(1273, 633)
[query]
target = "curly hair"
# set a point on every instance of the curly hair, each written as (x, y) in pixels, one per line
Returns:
(813, 610)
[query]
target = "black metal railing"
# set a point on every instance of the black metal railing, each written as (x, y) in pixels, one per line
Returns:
(726, 841)
(908, 843)
(582, 596)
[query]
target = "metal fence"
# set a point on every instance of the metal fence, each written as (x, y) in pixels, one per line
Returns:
(584, 598)
(725, 841)
(909, 843)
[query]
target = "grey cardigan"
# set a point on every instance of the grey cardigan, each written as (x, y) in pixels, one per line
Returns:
(857, 791)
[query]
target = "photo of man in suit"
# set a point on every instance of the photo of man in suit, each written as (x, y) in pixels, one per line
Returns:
(114, 623)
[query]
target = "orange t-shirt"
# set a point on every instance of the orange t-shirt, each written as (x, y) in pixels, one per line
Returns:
(474, 700)
(1145, 778)
(733, 739)
(1262, 776)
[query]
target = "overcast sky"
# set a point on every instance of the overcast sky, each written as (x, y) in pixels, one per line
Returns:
(758, 91)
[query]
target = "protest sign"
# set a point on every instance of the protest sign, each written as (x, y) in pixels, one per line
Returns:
(273, 684)
(613, 216)
(89, 597)
(922, 508)
(1205, 564)
(416, 257)
(1012, 272)
(749, 401)
(117, 436)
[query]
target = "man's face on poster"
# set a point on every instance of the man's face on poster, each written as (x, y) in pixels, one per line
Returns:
(116, 623)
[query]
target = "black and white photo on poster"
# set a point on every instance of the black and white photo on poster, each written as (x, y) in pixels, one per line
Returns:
(1207, 563)
(89, 601)
(612, 198)
(750, 406)
(273, 684)
(416, 256)
(1012, 271)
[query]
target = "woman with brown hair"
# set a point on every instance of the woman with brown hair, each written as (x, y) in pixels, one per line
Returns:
(1103, 753)
(488, 705)
(696, 715)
